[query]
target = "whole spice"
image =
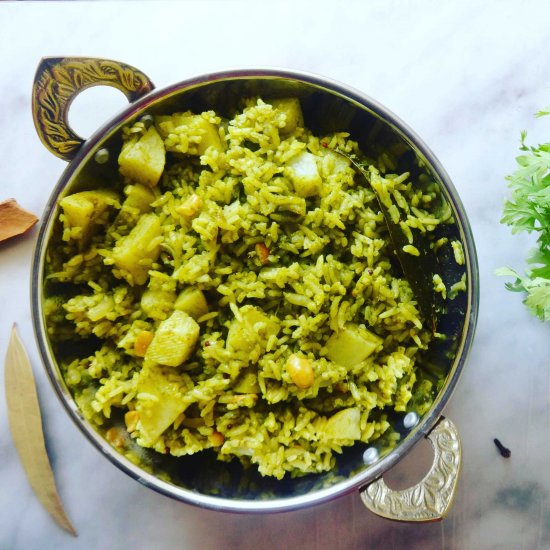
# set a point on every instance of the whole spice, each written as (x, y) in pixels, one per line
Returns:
(506, 453)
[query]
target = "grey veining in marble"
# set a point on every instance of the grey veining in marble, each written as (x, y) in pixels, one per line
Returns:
(467, 76)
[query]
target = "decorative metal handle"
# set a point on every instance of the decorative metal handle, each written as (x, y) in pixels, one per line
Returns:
(431, 499)
(59, 80)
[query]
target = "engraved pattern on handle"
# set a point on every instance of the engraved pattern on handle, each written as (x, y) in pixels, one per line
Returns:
(59, 80)
(431, 499)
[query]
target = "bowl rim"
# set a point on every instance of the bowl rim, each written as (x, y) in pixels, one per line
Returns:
(340, 488)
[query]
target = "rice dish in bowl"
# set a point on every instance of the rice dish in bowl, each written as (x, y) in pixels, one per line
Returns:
(220, 300)
(234, 289)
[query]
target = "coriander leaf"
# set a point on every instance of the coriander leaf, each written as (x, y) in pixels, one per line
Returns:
(528, 209)
(538, 298)
(506, 271)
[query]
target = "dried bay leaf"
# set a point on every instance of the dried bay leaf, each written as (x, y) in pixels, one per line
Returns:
(14, 220)
(26, 428)
(418, 270)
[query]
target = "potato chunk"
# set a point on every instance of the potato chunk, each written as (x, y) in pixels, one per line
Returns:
(290, 106)
(160, 401)
(83, 212)
(247, 381)
(142, 159)
(304, 174)
(192, 301)
(252, 329)
(351, 345)
(344, 424)
(137, 202)
(134, 254)
(174, 340)
(157, 302)
(140, 197)
(188, 133)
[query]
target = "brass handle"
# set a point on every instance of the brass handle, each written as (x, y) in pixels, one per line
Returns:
(431, 499)
(59, 80)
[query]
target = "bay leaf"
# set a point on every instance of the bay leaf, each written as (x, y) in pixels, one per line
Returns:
(14, 220)
(25, 423)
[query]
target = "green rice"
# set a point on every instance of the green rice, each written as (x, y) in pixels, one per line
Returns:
(284, 264)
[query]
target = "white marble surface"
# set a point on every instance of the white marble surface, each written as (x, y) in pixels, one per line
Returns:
(468, 76)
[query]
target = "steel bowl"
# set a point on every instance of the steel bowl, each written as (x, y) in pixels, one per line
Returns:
(328, 106)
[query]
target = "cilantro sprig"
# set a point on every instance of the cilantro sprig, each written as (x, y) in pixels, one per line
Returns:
(528, 209)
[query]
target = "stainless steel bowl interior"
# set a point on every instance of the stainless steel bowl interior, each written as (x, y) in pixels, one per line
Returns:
(328, 107)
